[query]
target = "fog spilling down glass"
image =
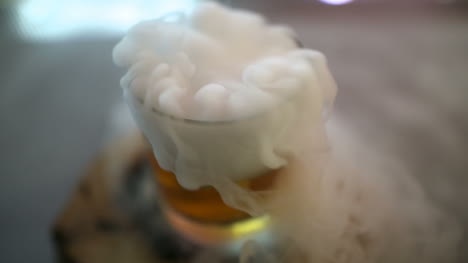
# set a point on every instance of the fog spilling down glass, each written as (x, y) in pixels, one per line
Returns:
(223, 112)
(200, 214)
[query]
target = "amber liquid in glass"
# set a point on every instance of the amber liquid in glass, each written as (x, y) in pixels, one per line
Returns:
(205, 204)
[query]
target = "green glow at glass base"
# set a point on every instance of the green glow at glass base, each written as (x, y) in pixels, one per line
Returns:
(211, 234)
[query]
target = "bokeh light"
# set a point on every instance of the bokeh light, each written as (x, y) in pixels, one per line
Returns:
(336, 2)
(56, 19)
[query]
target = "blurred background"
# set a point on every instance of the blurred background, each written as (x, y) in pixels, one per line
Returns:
(401, 68)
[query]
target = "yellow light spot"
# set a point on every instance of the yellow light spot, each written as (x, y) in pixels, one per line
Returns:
(249, 226)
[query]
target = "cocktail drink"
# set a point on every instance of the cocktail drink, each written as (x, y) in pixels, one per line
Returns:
(226, 101)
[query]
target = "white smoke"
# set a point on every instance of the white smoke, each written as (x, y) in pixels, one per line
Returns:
(223, 96)
(355, 205)
(222, 81)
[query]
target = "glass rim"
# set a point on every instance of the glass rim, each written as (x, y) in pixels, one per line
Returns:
(213, 122)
